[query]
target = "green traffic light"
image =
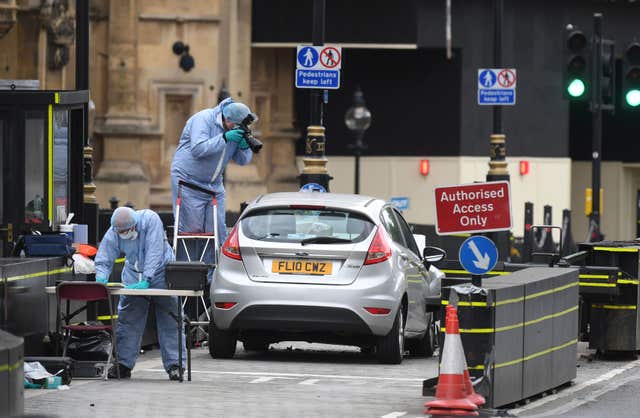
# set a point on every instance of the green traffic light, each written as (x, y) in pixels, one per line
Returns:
(633, 98)
(576, 88)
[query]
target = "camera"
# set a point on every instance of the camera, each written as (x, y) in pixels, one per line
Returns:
(254, 143)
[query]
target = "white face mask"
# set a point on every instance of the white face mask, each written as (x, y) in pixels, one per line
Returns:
(131, 234)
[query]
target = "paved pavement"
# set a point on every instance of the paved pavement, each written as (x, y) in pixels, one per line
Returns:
(292, 380)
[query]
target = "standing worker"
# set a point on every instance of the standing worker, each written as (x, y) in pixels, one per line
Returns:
(140, 236)
(210, 139)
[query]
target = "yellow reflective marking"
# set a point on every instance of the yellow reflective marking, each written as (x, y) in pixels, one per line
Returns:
(518, 299)
(498, 273)
(547, 292)
(627, 281)
(106, 317)
(594, 276)
(508, 301)
(598, 306)
(39, 274)
(10, 367)
(463, 303)
(50, 164)
(120, 260)
(514, 326)
(415, 281)
(529, 357)
(597, 284)
(616, 249)
(56, 98)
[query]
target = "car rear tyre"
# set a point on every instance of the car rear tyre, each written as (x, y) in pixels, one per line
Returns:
(425, 346)
(222, 344)
(390, 348)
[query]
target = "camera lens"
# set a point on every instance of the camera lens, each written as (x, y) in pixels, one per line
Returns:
(254, 144)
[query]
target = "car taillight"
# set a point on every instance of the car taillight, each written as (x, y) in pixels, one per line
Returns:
(231, 246)
(225, 305)
(377, 311)
(379, 250)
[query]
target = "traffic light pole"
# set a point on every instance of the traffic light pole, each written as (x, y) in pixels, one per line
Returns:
(498, 150)
(596, 132)
(315, 162)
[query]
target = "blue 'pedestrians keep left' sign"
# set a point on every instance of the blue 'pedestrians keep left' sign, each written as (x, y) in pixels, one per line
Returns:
(318, 79)
(478, 254)
(497, 86)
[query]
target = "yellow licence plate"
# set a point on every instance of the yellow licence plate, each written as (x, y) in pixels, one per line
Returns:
(301, 267)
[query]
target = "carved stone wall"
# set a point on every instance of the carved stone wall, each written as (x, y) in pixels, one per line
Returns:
(142, 97)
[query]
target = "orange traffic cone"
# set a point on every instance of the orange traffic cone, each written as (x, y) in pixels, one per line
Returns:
(474, 397)
(451, 391)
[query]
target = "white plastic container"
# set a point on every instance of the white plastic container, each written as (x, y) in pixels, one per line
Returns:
(67, 229)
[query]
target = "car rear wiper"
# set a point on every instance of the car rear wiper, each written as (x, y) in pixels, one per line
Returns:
(324, 240)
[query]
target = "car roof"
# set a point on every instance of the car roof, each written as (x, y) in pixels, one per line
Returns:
(361, 203)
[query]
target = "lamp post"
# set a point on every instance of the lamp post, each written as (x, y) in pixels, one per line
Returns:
(358, 120)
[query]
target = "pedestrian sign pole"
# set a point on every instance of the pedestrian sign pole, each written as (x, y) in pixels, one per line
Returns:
(317, 69)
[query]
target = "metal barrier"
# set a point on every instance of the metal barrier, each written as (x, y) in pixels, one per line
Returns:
(11, 375)
(519, 330)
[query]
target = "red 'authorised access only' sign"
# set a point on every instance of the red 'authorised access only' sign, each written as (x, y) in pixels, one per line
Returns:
(477, 207)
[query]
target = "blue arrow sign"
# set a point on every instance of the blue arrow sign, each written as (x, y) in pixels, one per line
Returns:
(313, 187)
(478, 254)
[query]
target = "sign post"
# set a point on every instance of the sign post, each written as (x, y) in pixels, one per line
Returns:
(474, 208)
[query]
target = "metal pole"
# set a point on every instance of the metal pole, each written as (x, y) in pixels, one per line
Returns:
(498, 11)
(357, 148)
(596, 119)
(89, 202)
(315, 162)
(498, 150)
(357, 186)
(318, 40)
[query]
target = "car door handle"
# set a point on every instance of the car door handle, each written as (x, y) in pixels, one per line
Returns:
(404, 256)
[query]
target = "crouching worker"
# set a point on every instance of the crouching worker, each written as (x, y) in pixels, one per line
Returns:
(140, 236)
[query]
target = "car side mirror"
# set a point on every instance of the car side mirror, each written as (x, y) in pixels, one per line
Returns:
(432, 255)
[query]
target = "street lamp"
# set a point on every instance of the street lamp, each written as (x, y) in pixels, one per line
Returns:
(358, 120)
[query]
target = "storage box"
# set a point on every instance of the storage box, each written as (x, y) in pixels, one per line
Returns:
(61, 366)
(182, 275)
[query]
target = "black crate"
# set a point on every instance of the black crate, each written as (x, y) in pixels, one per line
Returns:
(182, 275)
(61, 366)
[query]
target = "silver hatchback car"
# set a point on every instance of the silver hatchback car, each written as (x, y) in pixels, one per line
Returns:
(324, 267)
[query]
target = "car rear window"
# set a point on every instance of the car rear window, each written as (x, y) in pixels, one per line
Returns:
(297, 224)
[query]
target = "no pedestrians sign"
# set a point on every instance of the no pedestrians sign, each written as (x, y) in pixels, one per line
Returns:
(477, 207)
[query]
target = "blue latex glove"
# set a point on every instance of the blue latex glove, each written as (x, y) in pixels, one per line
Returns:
(243, 144)
(140, 285)
(234, 135)
(102, 280)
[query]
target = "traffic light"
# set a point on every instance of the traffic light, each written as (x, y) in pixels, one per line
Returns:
(576, 66)
(631, 77)
(608, 74)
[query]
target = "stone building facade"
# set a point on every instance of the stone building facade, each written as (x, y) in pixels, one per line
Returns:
(142, 95)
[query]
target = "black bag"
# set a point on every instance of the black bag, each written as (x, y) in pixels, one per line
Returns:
(48, 245)
(90, 345)
(182, 275)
